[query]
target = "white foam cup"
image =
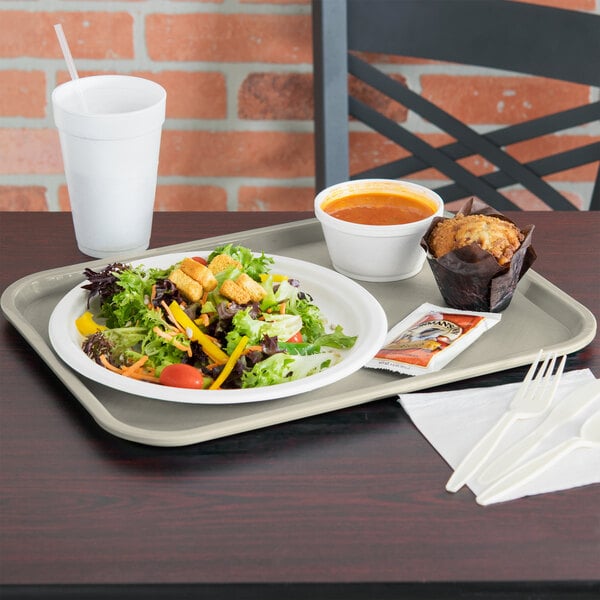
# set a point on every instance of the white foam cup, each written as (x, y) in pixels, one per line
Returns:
(110, 147)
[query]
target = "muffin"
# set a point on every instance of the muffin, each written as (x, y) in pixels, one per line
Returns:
(500, 238)
(477, 257)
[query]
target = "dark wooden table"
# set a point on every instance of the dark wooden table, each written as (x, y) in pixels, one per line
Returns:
(346, 505)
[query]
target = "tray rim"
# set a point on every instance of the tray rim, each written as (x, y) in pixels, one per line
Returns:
(311, 407)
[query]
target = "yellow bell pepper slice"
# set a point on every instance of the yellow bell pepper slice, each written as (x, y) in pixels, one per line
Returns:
(216, 384)
(276, 277)
(212, 350)
(86, 325)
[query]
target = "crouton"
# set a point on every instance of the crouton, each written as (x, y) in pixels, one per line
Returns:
(256, 291)
(202, 274)
(189, 287)
(232, 291)
(221, 262)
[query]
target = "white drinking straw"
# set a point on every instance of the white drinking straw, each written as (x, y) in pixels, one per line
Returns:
(64, 46)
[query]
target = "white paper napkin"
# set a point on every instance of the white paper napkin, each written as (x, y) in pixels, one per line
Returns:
(453, 422)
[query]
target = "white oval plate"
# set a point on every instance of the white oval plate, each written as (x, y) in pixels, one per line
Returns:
(341, 300)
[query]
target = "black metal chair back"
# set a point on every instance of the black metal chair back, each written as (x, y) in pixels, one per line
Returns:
(498, 34)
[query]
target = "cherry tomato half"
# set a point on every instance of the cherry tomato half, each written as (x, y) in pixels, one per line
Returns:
(296, 338)
(200, 259)
(183, 376)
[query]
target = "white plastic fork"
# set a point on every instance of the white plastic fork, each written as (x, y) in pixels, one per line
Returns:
(532, 399)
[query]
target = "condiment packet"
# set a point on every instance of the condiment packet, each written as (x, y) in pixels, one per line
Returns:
(429, 338)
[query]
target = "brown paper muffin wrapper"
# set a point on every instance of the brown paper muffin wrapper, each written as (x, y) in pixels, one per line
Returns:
(470, 278)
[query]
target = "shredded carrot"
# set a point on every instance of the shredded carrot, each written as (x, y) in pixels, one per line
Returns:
(182, 347)
(171, 339)
(249, 349)
(171, 316)
(203, 319)
(163, 334)
(136, 366)
(134, 371)
(143, 376)
(106, 363)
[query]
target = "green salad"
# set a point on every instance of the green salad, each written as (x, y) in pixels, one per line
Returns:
(224, 322)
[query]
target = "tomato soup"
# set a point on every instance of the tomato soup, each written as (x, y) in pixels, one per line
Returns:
(380, 208)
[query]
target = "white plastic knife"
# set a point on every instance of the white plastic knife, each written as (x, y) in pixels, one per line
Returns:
(532, 398)
(575, 402)
(589, 437)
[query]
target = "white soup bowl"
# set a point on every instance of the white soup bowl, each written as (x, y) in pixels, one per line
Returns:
(376, 252)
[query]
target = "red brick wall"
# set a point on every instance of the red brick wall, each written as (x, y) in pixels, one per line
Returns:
(238, 134)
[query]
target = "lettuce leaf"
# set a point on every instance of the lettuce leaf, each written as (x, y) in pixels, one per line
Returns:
(297, 303)
(134, 287)
(282, 327)
(336, 339)
(127, 312)
(282, 368)
(252, 265)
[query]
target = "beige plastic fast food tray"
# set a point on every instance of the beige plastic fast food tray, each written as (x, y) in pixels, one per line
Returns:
(540, 316)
